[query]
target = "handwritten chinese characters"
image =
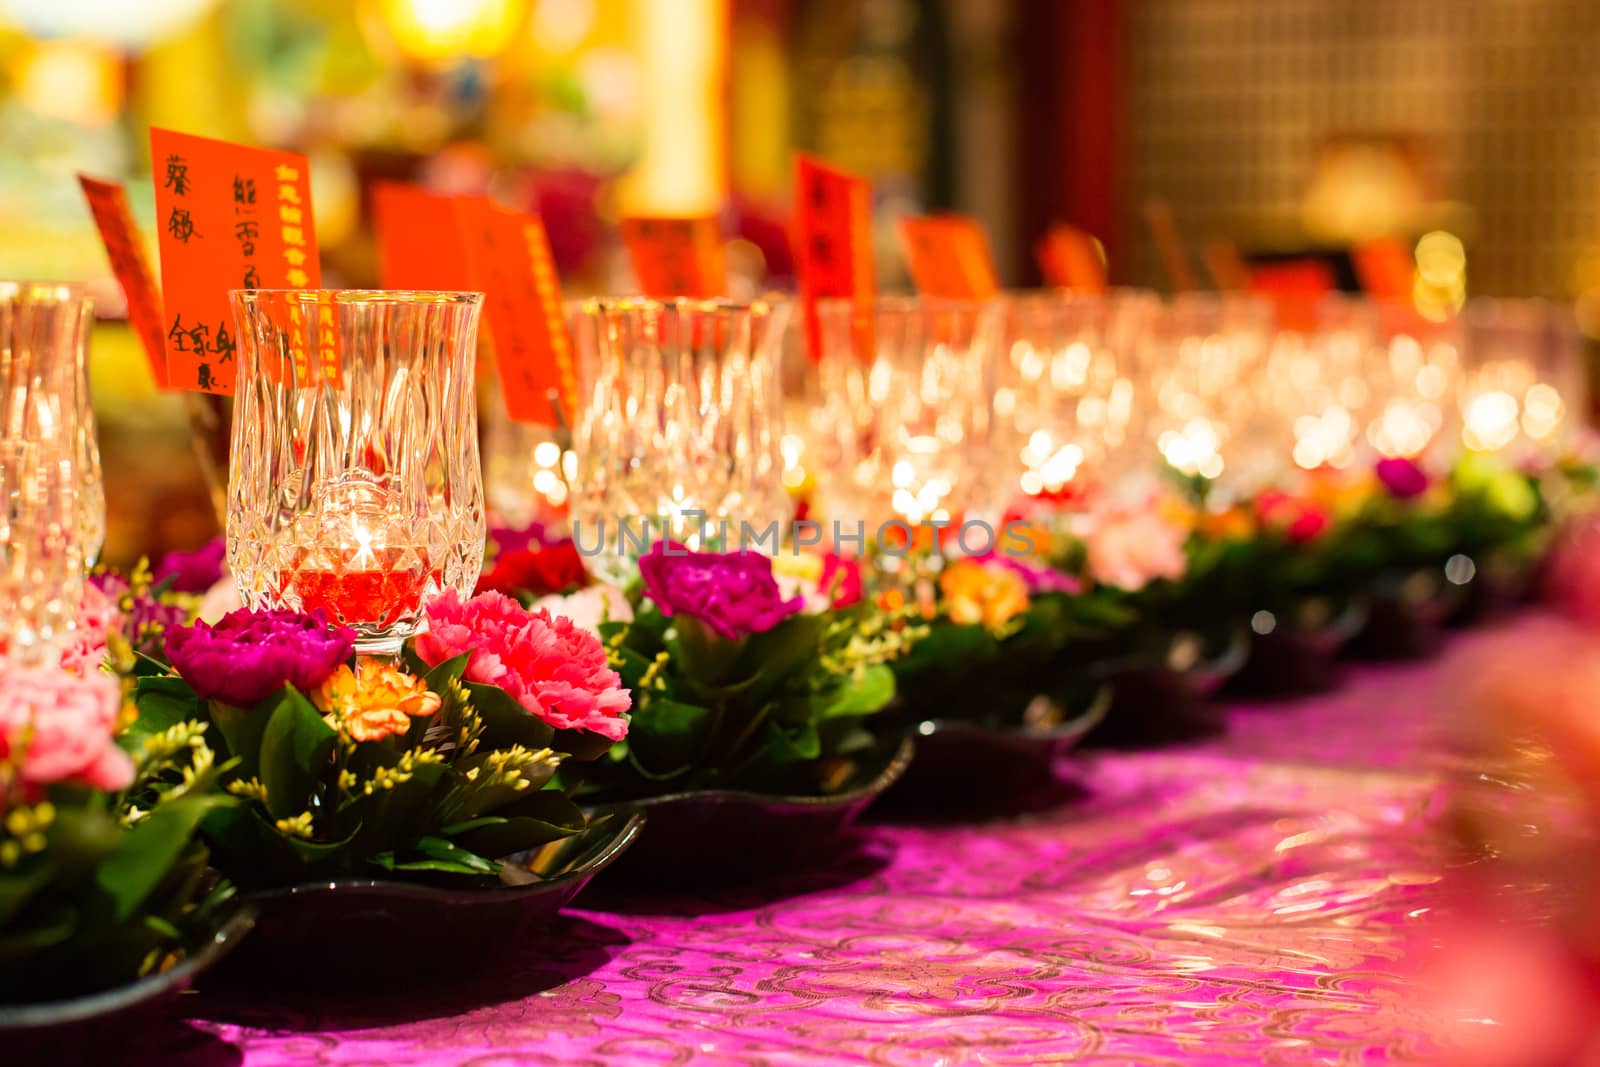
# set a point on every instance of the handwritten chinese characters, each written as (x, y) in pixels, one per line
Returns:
(675, 257)
(833, 244)
(231, 217)
(509, 257)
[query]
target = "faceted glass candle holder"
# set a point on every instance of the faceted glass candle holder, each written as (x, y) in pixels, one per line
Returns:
(354, 483)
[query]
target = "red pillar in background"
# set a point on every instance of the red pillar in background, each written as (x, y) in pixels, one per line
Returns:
(1070, 115)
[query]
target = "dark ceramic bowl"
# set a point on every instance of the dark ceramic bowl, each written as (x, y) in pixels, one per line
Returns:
(1294, 653)
(719, 836)
(1167, 699)
(1408, 611)
(1492, 583)
(67, 1030)
(965, 766)
(380, 928)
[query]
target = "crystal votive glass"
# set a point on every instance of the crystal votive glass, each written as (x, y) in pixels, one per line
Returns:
(48, 515)
(902, 413)
(354, 483)
(678, 431)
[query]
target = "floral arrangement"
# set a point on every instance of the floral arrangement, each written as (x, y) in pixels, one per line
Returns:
(740, 685)
(437, 767)
(1009, 640)
(103, 877)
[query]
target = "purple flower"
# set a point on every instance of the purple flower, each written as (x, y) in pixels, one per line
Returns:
(249, 655)
(1036, 576)
(1402, 477)
(508, 539)
(145, 618)
(733, 593)
(192, 572)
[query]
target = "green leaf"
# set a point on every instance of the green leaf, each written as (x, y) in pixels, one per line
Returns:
(146, 853)
(295, 746)
(582, 745)
(391, 817)
(163, 701)
(506, 722)
(147, 666)
(241, 730)
(439, 855)
(793, 742)
(861, 695)
(781, 652)
(534, 820)
(17, 888)
(449, 670)
(667, 735)
(55, 927)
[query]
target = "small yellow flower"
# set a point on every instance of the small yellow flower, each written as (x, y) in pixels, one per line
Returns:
(1234, 524)
(806, 566)
(1176, 511)
(976, 593)
(375, 700)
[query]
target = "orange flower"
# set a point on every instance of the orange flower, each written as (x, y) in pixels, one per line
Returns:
(375, 700)
(1235, 524)
(974, 593)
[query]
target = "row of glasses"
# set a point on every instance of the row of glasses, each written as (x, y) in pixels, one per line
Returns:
(355, 482)
(52, 525)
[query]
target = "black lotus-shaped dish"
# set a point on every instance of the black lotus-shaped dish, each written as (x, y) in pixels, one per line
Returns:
(72, 1029)
(1408, 612)
(1293, 652)
(723, 836)
(1166, 698)
(379, 928)
(970, 767)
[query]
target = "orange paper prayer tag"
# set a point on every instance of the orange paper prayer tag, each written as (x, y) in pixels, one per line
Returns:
(1070, 259)
(510, 260)
(419, 239)
(949, 257)
(109, 205)
(676, 256)
(1385, 269)
(833, 239)
(230, 217)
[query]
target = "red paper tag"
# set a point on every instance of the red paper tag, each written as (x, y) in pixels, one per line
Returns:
(1385, 269)
(1069, 259)
(230, 217)
(949, 257)
(510, 260)
(1296, 287)
(833, 239)
(676, 256)
(419, 239)
(109, 205)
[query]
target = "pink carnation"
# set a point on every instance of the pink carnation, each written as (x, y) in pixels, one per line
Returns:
(1131, 546)
(97, 617)
(72, 718)
(552, 667)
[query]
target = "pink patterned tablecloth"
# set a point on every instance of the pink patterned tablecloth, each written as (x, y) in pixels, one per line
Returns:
(1246, 900)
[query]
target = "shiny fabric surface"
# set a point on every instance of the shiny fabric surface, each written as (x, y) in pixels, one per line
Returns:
(1246, 900)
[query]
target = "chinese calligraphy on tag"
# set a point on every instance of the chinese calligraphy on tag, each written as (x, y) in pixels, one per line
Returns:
(222, 228)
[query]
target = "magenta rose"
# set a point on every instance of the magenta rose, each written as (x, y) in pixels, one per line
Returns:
(1404, 479)
(732, 593)
(249, 655)
(192, 572)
